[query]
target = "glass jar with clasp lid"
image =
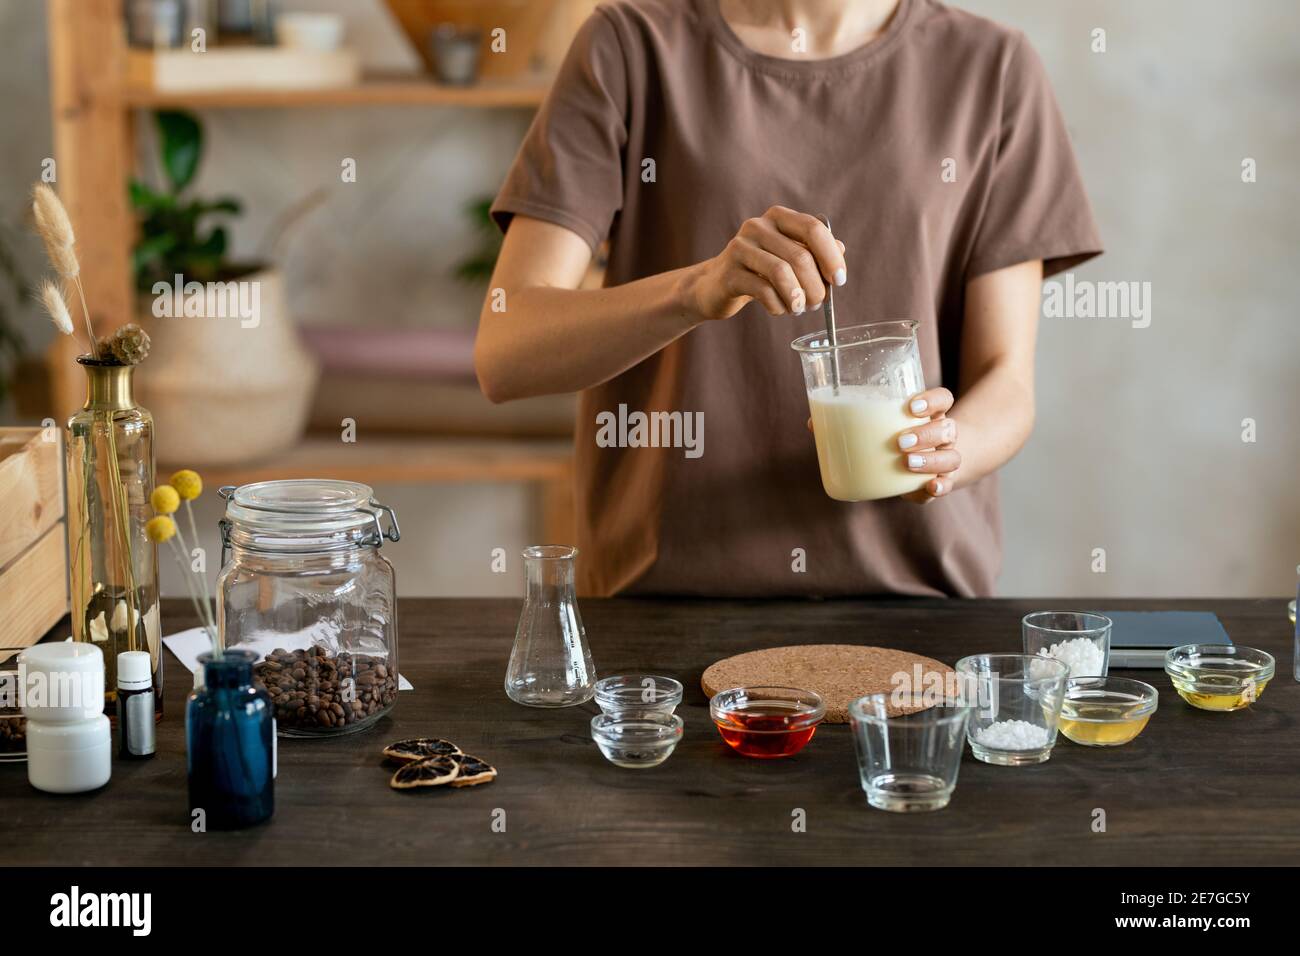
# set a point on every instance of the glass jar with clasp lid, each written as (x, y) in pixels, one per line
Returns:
(304, 587)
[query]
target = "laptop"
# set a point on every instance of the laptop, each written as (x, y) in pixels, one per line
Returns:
(1139, 639)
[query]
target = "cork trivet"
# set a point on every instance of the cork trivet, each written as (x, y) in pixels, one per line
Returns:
(840, 673)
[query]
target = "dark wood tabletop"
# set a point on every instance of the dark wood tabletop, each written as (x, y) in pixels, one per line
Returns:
(1196, 788)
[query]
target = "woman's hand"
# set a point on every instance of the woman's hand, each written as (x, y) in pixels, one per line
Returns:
(931, 449)
(782, 259)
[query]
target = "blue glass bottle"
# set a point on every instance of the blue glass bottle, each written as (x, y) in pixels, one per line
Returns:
(230, 744)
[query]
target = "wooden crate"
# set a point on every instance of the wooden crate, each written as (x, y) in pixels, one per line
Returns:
(33, 547)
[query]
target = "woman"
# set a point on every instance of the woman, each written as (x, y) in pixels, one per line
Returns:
(702, 138)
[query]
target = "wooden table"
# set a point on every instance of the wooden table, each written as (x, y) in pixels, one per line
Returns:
(1195, 789)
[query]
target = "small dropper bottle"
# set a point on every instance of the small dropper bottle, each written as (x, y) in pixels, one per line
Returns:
(135, 713)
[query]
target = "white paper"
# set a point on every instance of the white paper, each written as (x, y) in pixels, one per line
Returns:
(186, 646)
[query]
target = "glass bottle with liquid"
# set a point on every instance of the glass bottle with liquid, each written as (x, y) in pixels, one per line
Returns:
(230, 744)
(550, 665)
(112, 564)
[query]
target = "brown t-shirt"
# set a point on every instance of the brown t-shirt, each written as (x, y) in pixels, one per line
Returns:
(865, 138)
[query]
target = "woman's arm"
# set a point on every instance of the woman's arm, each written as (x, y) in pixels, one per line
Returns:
(996, 411)
(551, 337)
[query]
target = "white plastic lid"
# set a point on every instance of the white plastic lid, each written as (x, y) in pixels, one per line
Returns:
(63, 657)
(134, 670)
(63, 682)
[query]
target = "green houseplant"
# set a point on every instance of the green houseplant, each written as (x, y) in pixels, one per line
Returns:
(175, 238)
(225, 348)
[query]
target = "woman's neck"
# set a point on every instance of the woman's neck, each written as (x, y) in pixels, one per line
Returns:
(807, 29)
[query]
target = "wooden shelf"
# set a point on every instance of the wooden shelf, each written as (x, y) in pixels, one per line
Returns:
(407, 459)
(426, 459)
(374, 90)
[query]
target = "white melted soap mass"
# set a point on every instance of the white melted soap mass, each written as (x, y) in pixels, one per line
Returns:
(856, 430)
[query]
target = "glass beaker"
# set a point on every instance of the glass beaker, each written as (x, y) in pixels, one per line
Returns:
(550, 665)
(857, 394)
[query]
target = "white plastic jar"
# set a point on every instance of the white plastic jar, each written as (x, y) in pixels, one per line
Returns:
(69, 740)
(69, 758)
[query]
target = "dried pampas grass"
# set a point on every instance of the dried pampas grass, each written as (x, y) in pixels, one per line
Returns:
(54, 226)
(51, 300)
(55, 230)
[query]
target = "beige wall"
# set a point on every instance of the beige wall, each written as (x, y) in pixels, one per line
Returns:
(1138, 447)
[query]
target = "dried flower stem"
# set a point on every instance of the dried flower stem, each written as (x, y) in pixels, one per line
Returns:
(177, 545)
(85, 312)
(121, 515)
(203, 578)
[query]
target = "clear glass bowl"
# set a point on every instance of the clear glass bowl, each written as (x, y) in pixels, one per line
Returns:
(767, 722)
(638, 694)
(1222, 677)
(1106, 711)
(636, 741)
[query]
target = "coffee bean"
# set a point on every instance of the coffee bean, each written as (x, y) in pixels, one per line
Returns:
(13, 735)
(323, 693)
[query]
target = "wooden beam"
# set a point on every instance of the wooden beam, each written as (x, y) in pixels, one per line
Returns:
(413, 459)
(92, 153)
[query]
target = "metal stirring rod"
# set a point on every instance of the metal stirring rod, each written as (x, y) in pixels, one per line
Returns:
(829, 307)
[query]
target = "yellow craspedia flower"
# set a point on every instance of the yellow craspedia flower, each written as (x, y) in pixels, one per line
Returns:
(165, 499)
(188, 484)
(159, 528)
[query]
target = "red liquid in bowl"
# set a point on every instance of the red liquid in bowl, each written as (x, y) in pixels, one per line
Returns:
(766, 729)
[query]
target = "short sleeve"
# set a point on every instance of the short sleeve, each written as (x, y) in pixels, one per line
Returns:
(1037, 207)
(569, 170)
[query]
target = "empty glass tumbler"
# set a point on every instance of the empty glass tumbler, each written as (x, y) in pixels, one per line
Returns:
(550, 665)
(908, 757)
(858, 392)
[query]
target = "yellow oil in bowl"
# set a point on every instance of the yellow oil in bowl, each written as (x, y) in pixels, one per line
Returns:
(1219, 677)
(1213, 692)
(1106, 711)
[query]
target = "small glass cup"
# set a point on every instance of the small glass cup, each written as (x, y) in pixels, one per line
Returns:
(638, 694)
(1078, 638)
(1016, 706)
(908, 762)
(858, 391)
(1221, 677)
(636, 741)
(767, 722)
(1106, 711)
(1295, 657)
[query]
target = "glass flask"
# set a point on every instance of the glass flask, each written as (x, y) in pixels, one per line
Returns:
(112, 565)
(230, 744)
(550, 665)
(304, 587)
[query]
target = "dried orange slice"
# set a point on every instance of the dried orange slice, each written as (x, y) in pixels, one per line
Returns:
(418, 748)
(429, 772)
(472, 771)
